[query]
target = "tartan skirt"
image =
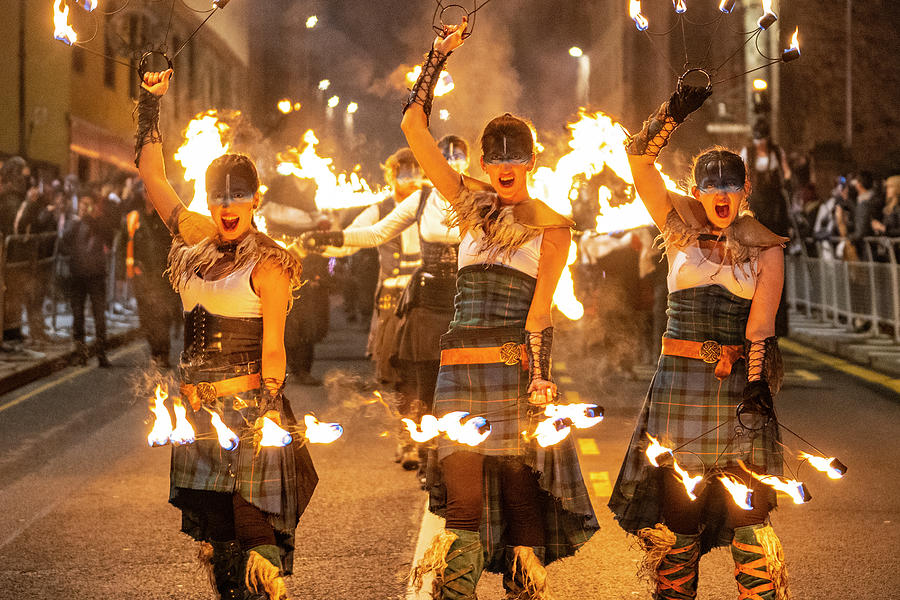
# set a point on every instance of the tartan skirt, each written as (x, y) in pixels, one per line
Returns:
(688, 409)
(491, 305)
(278, 481)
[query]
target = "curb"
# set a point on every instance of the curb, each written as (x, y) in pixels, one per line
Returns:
(806, 347)
(50, 365)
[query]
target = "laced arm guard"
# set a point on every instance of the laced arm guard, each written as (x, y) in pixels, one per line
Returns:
(148, 123)
(422, 92)
(538, 349)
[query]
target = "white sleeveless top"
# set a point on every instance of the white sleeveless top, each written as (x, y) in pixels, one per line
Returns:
(524, 259)
(231, 296)
(688, 268)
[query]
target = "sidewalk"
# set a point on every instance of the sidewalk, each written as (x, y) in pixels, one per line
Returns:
(20, 366)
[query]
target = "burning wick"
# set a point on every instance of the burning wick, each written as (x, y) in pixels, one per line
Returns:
(680, 6)
(273, 435)
(832, 467)
(162, 427)
(62, 30)
(689, 483)
(765, 21)
(792, 53)
(183, 432)
(429, 428)
(655, 450)
(726, 6)
(321, 433)
(551, 431)
(743, 496)
(227, 438)
(472, 432)
(640, 21)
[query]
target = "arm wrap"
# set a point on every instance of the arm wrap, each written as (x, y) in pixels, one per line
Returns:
(422, 92)
(148, 123)
(654, 136)
(764, 362)
(538, 349)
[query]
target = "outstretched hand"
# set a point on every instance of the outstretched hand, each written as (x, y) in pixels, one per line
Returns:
(157, 83)
(542, 392)
(452, 37)
(686, 100)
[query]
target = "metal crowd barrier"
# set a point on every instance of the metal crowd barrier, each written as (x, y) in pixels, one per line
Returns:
(865, 290)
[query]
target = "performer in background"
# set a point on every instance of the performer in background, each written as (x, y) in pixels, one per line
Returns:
(236, 288)
(426, 306)
(719, 363)
(398, 258)
(509, 504)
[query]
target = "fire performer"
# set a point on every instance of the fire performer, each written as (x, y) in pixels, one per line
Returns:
(235, 285)
(426, 306)
(398, 257)
(509, 504)
(719, 364)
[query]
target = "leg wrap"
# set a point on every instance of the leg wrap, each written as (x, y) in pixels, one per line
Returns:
(264, 572)
(654, 136)
(671, 563)
(224, 565)
(759, 567)
(455, 559)
(526, 578)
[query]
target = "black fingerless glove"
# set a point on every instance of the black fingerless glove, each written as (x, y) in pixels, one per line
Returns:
(686, 100)
(757, 398)
(316, 240)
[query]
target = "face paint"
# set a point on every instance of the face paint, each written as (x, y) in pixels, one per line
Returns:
(408, 175)
(230, 190)
(719, 176)
(509, 152)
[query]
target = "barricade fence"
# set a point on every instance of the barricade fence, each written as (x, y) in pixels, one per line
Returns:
(852, 285)
(33, 263)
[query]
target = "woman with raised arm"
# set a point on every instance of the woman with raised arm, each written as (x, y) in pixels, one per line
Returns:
(236, 286)
(510, 505)
(710, 401)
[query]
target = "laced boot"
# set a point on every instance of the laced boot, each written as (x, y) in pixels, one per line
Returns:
(526, 577)
(455, 559)
(82, 353)
(759, 567)
(223, 563)
(263, 575)
(671, 562)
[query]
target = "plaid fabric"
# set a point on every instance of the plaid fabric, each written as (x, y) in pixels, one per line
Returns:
(279, 481)
(685, 402)
(499, 297)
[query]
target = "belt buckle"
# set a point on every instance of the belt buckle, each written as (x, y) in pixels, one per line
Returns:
(510, 353)
(710, 351)
(206, 392)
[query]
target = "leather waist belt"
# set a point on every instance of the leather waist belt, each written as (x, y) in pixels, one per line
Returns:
(509, 353)
(206, 392)
(709, 352)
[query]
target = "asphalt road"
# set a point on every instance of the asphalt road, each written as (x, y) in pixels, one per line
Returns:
(83, 511)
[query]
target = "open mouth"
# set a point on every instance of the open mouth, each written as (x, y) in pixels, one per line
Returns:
(506, 181)
(723, 210)
(229, 223)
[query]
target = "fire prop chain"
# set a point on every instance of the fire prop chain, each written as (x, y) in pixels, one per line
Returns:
(559, 421)
(661, 456)
(266, 433)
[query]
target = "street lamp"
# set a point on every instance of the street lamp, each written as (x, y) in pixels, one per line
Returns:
(576, 52)
(582, 85)
(312, 21)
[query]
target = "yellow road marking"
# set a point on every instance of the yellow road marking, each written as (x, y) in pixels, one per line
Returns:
(806, 375)
(566, 380)
(600, 483)
(841, 365)
(559, 365)
(588, 446)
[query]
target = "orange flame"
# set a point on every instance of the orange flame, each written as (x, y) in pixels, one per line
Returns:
(795, 39)
(791, 487)
(680, 6)
(444, 84)
(227, 438)
(183, 432)
(468, 433)
(655, 450)
(162, 426)
(551, 431)
(333, 190)
(61, 28)
(429, 429)
(825, 465)
(564, 296)
(582, 416)
(273, 435)
(203, 144)
(741, 494)
(321, 433)
(689, 483)
(634, 10)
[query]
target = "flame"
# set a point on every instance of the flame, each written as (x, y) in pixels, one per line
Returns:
(826, 465)
(795, 39)
(321, 433)
(767, 7)
(162, 426)
(655, 450)
(680, 6)
(429, 428)
(741, 494)
(472, 432)
(183, 432)
(551, 431)
(332, 190)
(273, 435)
(61, 28)
(791, 487)
(689, 483)
(227, 438)
(564, 295)
(444, 114)
(640, 21)
(581, 415)
(444, 84)
(89, 5)
(203, 144)
(726, 6)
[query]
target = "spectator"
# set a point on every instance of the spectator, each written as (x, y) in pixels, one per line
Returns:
(864, 211)
(825, 225)
(13, 186)
(35, 257)
(86, 242)
(889, 224)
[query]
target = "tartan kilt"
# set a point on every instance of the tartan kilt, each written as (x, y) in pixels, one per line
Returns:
(498, 392)
(688, 409)
(278, 481)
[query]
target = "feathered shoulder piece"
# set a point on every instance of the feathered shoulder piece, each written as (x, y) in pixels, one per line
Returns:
(505, 228)
(186, 259)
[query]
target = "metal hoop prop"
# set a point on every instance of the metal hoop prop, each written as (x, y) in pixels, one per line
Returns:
(680, 82)
(143, 67)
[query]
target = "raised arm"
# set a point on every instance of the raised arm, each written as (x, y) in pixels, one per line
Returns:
(644, 147)
(148, 148)
(417, 112)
